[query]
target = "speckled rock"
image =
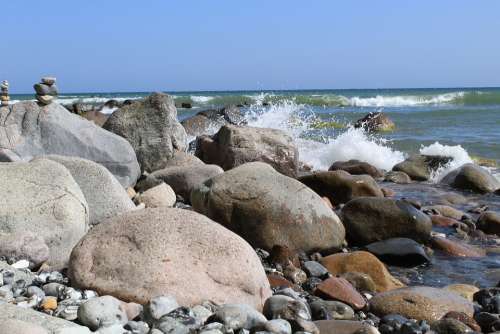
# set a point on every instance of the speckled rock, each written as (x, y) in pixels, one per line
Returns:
(189, 257)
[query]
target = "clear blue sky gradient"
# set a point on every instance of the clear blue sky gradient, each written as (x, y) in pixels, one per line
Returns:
(111, 45)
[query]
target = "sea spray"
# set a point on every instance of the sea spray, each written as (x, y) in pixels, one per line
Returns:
(320, 151)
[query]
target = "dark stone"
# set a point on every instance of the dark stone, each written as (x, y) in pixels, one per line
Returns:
(356, 167)
(419, 167)
(399, 251)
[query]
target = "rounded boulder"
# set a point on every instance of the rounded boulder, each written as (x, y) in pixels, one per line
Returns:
(165, 251)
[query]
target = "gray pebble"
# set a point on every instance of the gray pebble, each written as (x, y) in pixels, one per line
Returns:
(278, 326)
(102, 311)
(314, 269)
(158, 307)
(238, 316)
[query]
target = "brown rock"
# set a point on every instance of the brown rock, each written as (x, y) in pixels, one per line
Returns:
(49, 303)
(283, 256)
(362, 262)
(360, 281)
(356, 167)
(463, 318)
(388, 192)
(489, 222)
(446, 210)
(235, 145)
(152, 252)
(340, 289)
(375, 122)
(465, 290)
(455, 248)
(443, 221)
(278, 281)
(421, 303)
(340, 186)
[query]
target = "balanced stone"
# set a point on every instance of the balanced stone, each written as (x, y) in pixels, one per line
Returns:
(45, 99)
(42, 89)
(48, 80)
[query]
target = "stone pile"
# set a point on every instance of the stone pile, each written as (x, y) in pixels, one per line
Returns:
(4, 96)
(46, 90)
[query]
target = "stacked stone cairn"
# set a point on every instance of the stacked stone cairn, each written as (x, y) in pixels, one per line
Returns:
(46, 90)
(4, 95)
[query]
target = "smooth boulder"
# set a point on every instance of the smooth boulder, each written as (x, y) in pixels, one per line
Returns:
(489, 222)
(341, 187)
(165, 251)
(105, 196)
(152, 128)
(29, 130)
(420, 167)
(399, 251)
(42, 197)
(182, 179)
(356, 167)
(234, 145)
(267, 208)
(361, 262)
(420, 302)
(370, 219)
(473, 178)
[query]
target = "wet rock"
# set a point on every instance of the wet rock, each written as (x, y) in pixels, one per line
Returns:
(472, 177)
(443, 221)
(488, 322)
(375, 122)
(341, 187)
(445, 210)
(370, 219)
(45, 200)
(295, 275)
(24, 245)
(189, 257)
(102, 311)
(467, 291)
(283, 256)
(455, 248)
(388, 192)
(314, 269)
(43, 130)
(397, 177)
(210, 121)
(158, 196)
(278, 281)
(181, 179)
(345, 327)
(419, 167)
(238, 316)
(360, 281)
(421, 303)
(465, 319)
(331, 310)
(267, 208)
(399, 251)
(362, 262)
(489, 222)
(489, 299)
(105, 196)
(340, 289)
(152, 128)
(450, 326)
(234, 145)
(356, 167)
(278, 326)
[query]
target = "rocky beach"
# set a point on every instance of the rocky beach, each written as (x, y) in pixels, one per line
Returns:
(151, 215)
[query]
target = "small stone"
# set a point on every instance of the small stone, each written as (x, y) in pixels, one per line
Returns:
(48, 80)
(295, 275)
(53, 289)
(238, 316)
(45, 99)
(158, 196)
(314, 269)
(35, 291)
(137, 327)
(22, 264)
(294, 311)
(102, 311)
(360, 281)
(49, 303)
(340, 289)
(331, 310)
(278, 326)
(43, 89)
(158, 307)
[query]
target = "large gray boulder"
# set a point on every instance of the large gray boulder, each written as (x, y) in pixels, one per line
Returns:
(420, 167)
(43, 198)
(209, 121)
(26, 318)
(182, 179)
(104, 194)
(371, 219)
(473, 178)
(235, 145)
(168, 252)
(151, 126)
(267, 208)
(28, 130)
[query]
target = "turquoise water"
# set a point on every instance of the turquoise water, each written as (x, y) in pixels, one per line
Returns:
(469, 117)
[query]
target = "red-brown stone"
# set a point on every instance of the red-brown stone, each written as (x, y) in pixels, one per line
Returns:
(340, 289)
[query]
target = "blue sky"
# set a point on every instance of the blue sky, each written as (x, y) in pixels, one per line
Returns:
(112, 45)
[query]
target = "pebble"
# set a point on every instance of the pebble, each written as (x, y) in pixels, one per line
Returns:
(102, 311)
(158, 307)
(278, 326)
(331, 310)
(239, 316)
(49, 303)
(53, 289)
(48, 80)
(137, 327)
(314, 269)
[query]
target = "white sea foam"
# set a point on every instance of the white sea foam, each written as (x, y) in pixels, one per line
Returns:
(457, 152)
(402, 100)
(295, 120)
(107, 110)
(201, 99)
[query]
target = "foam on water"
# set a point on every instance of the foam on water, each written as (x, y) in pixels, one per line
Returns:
(201, 99)
(402, 100)
(296, 121)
